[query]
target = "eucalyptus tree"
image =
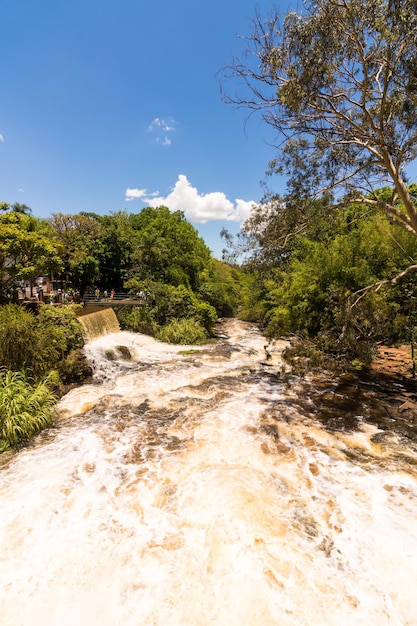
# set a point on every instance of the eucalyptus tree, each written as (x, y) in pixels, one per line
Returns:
(337, 81)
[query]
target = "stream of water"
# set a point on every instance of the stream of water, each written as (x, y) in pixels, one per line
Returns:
(187, 488)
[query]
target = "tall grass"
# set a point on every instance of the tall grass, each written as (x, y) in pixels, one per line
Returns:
(25, 407)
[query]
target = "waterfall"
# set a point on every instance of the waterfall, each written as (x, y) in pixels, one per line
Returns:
(206, 487)
(99, 323)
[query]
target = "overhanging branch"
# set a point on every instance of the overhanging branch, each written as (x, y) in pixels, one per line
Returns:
(377, 286)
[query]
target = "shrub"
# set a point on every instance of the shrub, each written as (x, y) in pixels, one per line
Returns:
(206, 315)
(166, 305)
(139, 320)
(184, 331)
(38, 343)
(63, 326)
(74, 368)
(23, 344)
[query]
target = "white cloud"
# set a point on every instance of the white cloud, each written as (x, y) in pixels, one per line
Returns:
(20, 190)
(134, 194)
(160, 129)
(131, 194)
(199, 208)
(1, 139)
(158, 123)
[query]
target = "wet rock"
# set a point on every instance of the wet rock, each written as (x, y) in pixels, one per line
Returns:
(124, 352)
(407, 406)
(74, 368)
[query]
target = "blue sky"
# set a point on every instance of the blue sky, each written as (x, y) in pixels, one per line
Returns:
(115, 104)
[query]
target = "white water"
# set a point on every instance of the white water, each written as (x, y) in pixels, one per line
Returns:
(188, 490)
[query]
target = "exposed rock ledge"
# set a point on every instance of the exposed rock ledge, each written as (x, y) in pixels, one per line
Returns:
(392, 371)
(396, 362)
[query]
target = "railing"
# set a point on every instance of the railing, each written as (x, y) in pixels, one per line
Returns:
(112, 300)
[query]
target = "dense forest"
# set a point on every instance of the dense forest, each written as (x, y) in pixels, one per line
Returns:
(329, 265)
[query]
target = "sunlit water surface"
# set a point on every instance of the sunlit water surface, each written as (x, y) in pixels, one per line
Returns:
(187, 489)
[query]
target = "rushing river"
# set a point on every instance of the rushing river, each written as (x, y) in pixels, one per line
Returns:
(191, 489)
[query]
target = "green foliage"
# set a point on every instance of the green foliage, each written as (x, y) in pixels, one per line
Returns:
(26, 250)
(337, 81)
(113, 250)
(139, 319)
(166, 248)
(253, 297)
(221, 286)
(25, 407)
(23, 343)
(167, 304)
(37, 344)
(74, 368)
(78, 237)
(205, 314)
(303, 354)
(63, 327)
(182, 331)
(312, 293)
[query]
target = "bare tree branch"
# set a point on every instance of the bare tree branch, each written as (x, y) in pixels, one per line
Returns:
(380, 283)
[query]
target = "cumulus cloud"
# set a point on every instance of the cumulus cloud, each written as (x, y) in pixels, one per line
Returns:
(1, 138)
(132, 194)
(199, 208)
(160, 130)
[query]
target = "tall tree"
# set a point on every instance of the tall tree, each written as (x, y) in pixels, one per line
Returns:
(338, 83)
(26, 250)
(168, 247)
(78, 237)
(113, 250)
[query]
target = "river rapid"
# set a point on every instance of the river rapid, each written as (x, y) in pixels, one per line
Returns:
(202, 488)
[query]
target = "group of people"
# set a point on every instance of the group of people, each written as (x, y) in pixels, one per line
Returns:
(105, 294)
(140, 294)
(39, 294)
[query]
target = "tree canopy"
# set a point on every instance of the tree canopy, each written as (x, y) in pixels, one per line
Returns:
(338, 83)
(316, 290)
(26, 249)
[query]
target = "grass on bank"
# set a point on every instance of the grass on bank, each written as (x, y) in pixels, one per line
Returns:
(26, 407)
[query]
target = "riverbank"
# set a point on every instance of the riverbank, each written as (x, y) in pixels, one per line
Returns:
(396, 362)
(391, 375)
(384, 395)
